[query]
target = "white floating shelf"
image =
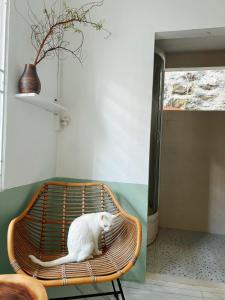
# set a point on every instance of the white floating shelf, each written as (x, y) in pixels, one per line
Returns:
(41, 101)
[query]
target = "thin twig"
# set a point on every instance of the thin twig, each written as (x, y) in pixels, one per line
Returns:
(47, 35)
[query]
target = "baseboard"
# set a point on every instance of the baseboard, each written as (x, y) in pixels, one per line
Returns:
(172, 281)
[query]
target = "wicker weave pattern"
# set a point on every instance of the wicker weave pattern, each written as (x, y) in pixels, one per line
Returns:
(42, 231)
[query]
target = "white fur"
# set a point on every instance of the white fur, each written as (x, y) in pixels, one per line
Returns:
(82, 241)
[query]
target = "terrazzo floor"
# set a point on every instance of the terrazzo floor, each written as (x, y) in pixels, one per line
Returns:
(193, 255)
(153, 289)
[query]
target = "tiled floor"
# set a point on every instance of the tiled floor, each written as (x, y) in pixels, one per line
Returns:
(156, 289)
(188, 254)
(176, 257)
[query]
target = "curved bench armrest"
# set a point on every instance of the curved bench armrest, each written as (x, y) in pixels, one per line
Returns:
(10, 245)
(130, 218)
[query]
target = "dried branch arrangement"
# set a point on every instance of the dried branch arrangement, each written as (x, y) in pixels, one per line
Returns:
(48, 34)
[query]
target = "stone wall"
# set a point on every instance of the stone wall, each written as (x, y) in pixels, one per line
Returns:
(195, 90)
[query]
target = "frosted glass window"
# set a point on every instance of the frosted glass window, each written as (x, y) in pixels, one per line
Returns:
(3, 8)
(194, 90)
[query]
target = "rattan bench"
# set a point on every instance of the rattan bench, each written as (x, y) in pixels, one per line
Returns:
(42, 229)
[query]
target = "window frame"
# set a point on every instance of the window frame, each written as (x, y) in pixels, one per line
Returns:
(3, 91)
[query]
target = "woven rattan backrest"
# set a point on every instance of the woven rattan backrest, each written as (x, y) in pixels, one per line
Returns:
(46, 223)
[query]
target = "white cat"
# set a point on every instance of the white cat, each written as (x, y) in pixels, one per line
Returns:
(82, 241)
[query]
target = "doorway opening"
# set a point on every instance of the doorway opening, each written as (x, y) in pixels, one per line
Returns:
(187, 162)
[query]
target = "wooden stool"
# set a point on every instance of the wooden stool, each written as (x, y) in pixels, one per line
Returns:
(21, 287)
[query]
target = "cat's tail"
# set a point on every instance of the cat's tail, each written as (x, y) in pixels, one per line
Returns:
(59, 261)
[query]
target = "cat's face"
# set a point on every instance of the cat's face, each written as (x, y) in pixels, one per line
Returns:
(106, 221)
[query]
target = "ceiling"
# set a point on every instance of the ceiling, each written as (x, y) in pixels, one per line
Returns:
(191, 40)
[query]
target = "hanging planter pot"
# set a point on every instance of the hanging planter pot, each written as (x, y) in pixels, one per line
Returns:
(29, 81)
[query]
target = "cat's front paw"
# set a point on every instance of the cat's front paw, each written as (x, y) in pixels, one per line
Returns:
(98, 252)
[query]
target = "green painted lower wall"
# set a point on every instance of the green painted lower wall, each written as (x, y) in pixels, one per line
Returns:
(133, 198)
(12, 203)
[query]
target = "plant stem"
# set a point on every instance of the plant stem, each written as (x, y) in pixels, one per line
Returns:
(37, 59)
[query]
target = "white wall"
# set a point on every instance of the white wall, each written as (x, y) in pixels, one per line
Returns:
(30, 135)
(109, 98)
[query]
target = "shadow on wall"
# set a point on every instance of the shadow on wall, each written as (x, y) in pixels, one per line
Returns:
(105, 147)
(119, 107)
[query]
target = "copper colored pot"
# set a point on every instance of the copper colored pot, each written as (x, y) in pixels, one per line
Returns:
(29, 81)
